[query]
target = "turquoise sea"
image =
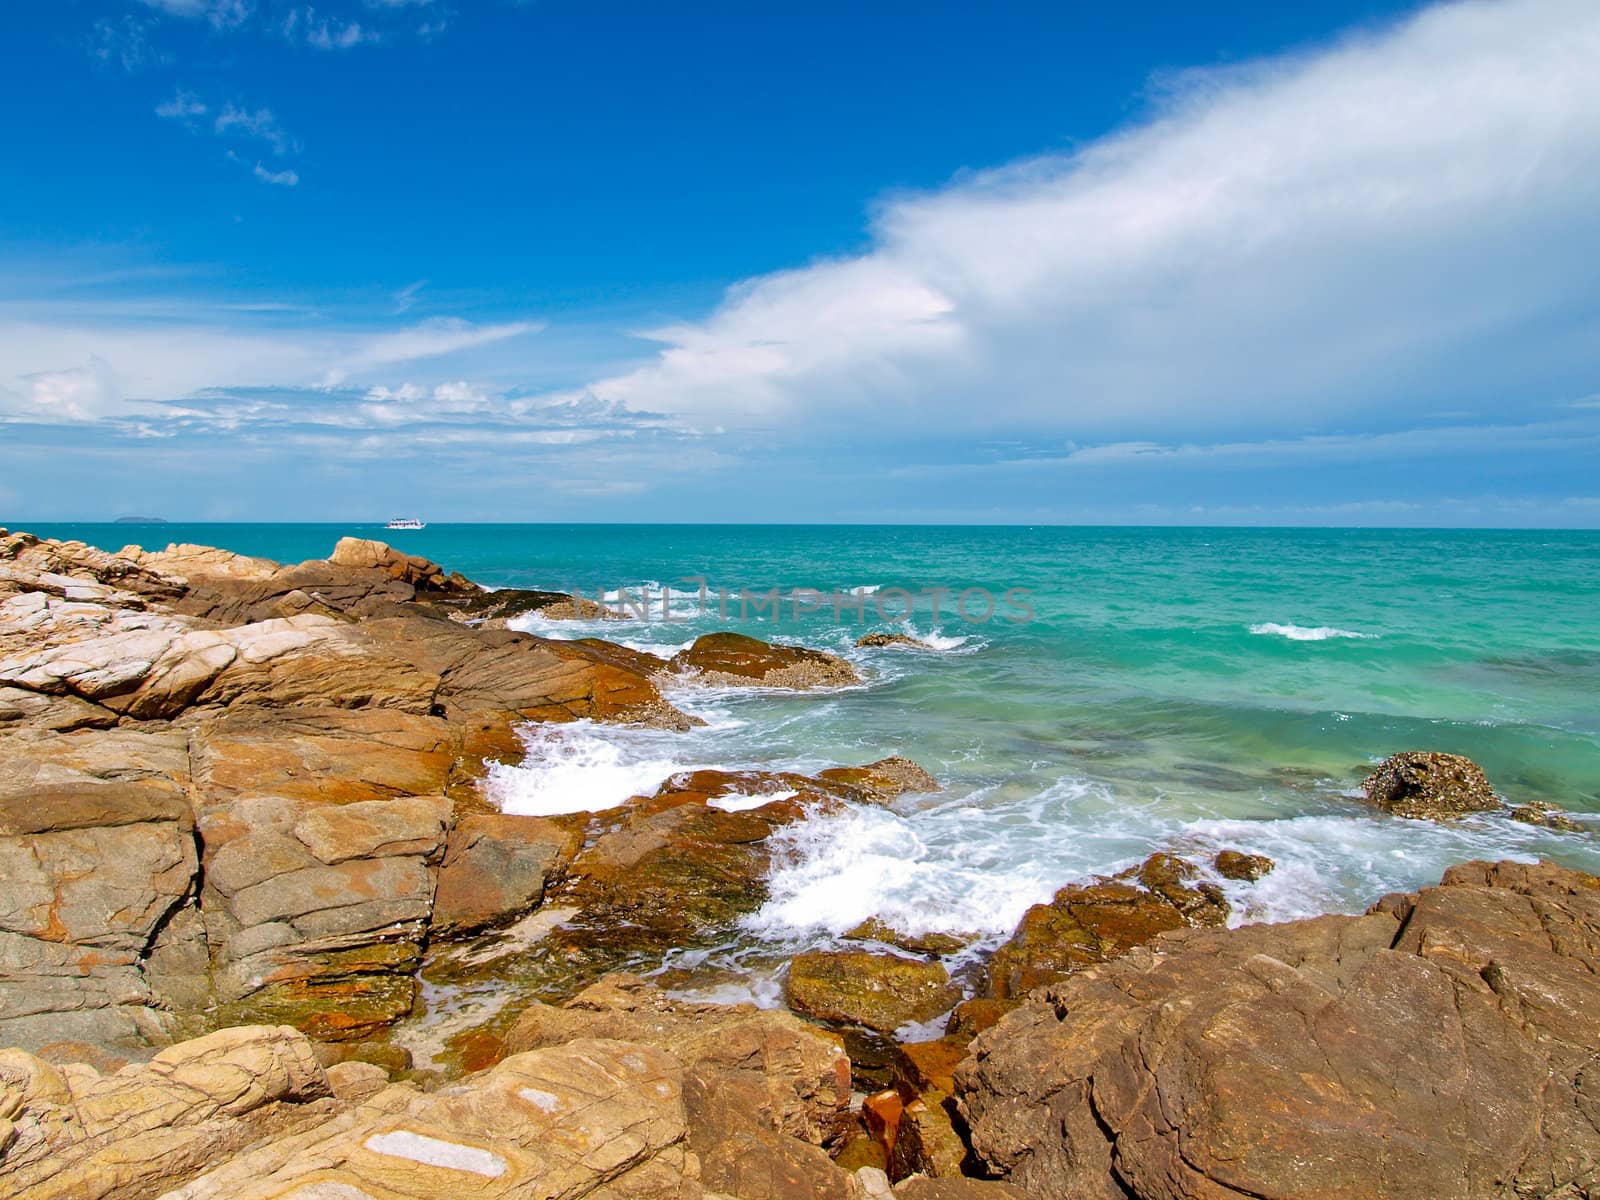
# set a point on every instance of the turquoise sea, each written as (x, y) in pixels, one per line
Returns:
(1174, 688)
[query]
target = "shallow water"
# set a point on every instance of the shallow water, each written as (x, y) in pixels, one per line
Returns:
(1174, 688)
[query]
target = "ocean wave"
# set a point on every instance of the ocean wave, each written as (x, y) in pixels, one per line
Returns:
(1303, 633)
(958, 867)
(581, 767)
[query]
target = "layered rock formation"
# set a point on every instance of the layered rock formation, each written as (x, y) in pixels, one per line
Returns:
(243, 791)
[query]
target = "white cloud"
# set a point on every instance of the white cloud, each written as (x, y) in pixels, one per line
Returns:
(126, 42)
(280, 178)
(1389, 223)
(406, 298)
(74, 394)
(259, 124)
(90, 369)
(184, 106)
(326, 33)
(223, 14)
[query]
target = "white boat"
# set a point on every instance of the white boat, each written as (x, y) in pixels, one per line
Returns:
(406, 523)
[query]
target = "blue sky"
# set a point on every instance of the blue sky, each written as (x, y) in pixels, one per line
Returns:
(1324, 263)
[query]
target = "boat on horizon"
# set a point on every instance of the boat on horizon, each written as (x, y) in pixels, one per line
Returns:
(406, 523)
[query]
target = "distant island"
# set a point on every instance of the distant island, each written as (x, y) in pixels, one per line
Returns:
(140, 521)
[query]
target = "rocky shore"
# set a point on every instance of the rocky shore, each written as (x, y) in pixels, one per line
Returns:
(242, 826)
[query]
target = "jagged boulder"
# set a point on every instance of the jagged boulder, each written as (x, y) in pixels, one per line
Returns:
(1427, 785)
(1441, 1045)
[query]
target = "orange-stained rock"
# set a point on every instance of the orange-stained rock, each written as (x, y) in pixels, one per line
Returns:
(1235, 864)
(881, 992)
(732, 659)
(1089, 923)
(497, 866)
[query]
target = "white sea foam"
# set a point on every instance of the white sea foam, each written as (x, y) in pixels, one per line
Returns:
(744, 801)
(579, 767)
(1303, 633)
(1328, 864)
(959, 867)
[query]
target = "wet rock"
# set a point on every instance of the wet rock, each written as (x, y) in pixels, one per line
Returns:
(880, 992)
(505, 603)
(1235, 864)
(795, 1077)
(972, 1017)
(882, 781)
(1094, 922)
(1439, 1045)
(1427, 785)
(875, 930)
(928, 1143)
(732, 659)
(1547, 816)
(880, 641)
(496, 867)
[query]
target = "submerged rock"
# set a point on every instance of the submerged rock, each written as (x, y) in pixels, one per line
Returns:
(1427, 785)
(884, 780)
(880, 992)
(732, 659)
(1547, 816)
(875, 930)
(880, 641)
(1440, 1045)
(1235, 864)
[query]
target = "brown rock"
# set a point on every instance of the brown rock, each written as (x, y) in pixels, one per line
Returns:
(972, 1017)
(496, 867)
(1424, 784)
(732, 659)
(920, 1187)
(875, 930)
(741, 1156)
(928, 1143)
(881, 992)
(881, 641)
(796, 1077)
(882, 781)
(355, 1081)
(1546, 815)
(1235, 864)
(1438, 1046)
(1094, 922)
(97, 852)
